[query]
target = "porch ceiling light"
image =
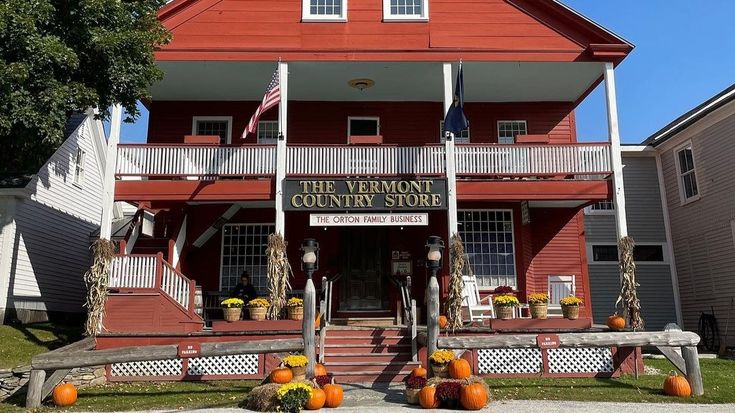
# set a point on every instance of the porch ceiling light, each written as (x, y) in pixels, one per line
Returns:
(361, 84)
(309, 256)
(434, 247)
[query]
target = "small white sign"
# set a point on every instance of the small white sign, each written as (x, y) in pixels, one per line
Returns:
(363, 220)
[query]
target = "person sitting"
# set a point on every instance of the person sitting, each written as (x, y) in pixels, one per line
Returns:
(244, 290)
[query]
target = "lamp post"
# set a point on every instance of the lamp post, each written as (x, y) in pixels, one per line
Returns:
(309, 264)
(434, 248)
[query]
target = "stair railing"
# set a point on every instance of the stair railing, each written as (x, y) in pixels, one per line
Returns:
(325, 311)
(408, 307)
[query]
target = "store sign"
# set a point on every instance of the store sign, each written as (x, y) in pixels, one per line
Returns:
(368, 220)
(364, 194)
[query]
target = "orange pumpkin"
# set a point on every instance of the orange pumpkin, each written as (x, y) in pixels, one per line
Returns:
(419, 371)
(443, 321)
(281, 375)
(428, 399)
(678, 386)
(473, 396)
(334, 394)
(320, 370)
(459, 369)
(65, 395)
(615, 322)
(317, 400)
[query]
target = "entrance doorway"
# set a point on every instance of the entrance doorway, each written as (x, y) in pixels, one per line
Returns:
(365, 255)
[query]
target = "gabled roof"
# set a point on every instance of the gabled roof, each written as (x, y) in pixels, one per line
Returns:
(688, 119)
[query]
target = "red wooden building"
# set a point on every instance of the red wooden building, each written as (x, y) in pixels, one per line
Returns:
(365, 85)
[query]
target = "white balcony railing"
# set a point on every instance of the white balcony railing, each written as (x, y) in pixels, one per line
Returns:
(365, 160)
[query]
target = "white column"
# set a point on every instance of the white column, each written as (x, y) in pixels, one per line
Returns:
(108, 193)
(621, 220)
(281, 147)
(7, 245)
(451, 170)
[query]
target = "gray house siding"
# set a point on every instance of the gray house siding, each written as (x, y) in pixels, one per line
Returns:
(702, 235)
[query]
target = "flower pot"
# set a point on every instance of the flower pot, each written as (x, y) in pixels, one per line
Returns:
(231, 313)
(440, 370)
(504, 312)
(295, 313)
(412, 396)
(570, 312)
(299, 373)
(257, 313)
(539, 310)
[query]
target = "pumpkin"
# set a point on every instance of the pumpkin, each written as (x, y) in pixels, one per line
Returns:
(676, 385)
(317, 400)
(419, 372)
(428, 399)
(320, 370)
(443, 321)
(459, 369)
(334, 394)
(281, 375)
(473, 396)
(65, 395)
(615, 322)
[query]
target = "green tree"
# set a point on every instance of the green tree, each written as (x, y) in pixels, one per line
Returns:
(62, 56)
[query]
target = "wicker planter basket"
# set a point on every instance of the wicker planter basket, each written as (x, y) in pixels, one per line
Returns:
(231, 314)
(504, 312)
(299, 373)
(295, 313)
(539, 310)
(257, 313)
(412, 396)
(440, 370)
(570, 312)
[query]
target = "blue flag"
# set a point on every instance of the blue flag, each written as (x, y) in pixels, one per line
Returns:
(456, 121)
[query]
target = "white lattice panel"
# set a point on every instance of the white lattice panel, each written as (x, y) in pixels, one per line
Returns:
(241, 364)
(509, 361)
(156, 368)
(580, 360)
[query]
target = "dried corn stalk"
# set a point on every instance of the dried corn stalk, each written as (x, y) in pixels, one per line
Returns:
(628, 298)
(96, 280)
(458, 265)
(279, 271)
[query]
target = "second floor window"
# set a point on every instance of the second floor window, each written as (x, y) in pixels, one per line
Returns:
(463, 137)
(363, 126)
(405, 10)
(213, 125)
(324, 10)
(268, 132)
(509, 129)
(687, 175)
(79, 167)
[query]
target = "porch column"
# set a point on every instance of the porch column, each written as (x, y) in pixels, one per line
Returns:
(451, 171)
(108, 188)
(281, 147)
(621, 222)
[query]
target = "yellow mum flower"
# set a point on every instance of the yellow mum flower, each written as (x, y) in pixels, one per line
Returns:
(442, 356)
(232, 303)
(283, 390)
(571, 301)
(295, 360)
(538, 298)
(259, 302)
(295, 302)
(506, 301)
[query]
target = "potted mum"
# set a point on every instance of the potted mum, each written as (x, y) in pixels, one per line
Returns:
(570, 307)
(538, 305)
(232, 308)
(258, 308)
(440, 362)
(293, 397)
(297, 363)
(295, 308)
(414, 384)
(504, 305)
(448, 393)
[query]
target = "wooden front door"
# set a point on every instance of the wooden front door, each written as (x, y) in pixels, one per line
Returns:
(363, 267)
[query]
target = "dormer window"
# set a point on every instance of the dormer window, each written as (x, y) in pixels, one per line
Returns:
(324, 10)
(405, 10)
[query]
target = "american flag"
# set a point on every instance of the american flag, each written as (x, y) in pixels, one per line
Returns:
(271, 98)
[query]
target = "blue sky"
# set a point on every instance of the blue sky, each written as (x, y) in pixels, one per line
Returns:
(685, 53)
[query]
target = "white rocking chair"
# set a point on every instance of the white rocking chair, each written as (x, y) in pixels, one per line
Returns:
(559, 287)
(476, 310)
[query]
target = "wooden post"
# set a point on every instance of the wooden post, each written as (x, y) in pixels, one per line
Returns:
(432, 320)
(108, 191)
(281, 147)
(414, 345)
(308, 326)
(617, 161)
(694, 373)
(35, 387)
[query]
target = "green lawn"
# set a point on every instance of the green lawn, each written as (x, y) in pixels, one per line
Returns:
(18, 344)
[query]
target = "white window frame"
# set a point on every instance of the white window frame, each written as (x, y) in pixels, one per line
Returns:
(306, 15)
(457, 139)
(269, 122)
(389, 17)
(351, 118)
(663, 245)
(679, 176)
(79, 167)
(485, 288)
(497, 126)
(196, 119)
(222, 246)
(588, 210)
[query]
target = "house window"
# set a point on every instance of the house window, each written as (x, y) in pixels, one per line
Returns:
(268, 132)
(488, 242)
(363, 126)
(509, 129)
(213, 125)
(79, 167)
(405, 10)
(641, 253)
(324, 10)
(601, 208)
(463, 137)
(243, 248)
(688, 188)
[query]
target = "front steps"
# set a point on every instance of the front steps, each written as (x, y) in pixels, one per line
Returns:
(368, 354)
